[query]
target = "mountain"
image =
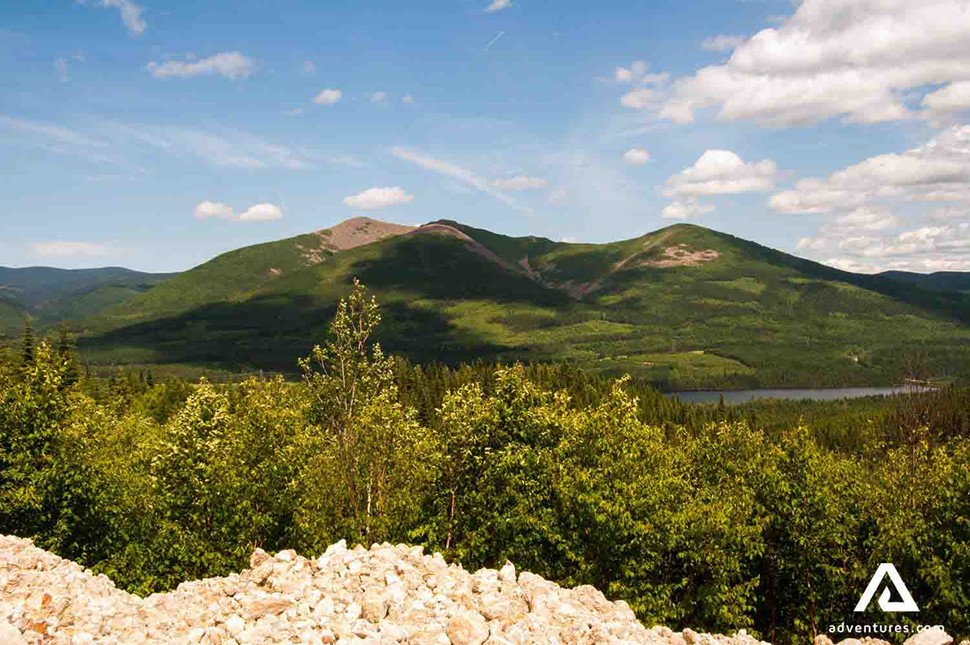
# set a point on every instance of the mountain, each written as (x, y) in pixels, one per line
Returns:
(51, 295)
(939, 281)
(685, 306)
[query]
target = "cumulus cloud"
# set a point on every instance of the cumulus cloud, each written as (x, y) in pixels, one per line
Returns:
(634, 72)
(931, 183)
(498, 5)
(328, 96)
(377, 97)
(947, 100)
(722, 172)
(407, 99)
(231, 65)
(858, 59)
(458, 173)
(213, 210)
(263, 212)
(717, 172)
(639, 99)
(520, 182)
(131, 14)
(722, 43)
(686, 209)
(636, 156)
(938, 171)
(377, 198)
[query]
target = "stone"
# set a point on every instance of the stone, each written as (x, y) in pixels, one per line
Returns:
(467, 629)
(387, 594)
(10, 635)
(930, 637)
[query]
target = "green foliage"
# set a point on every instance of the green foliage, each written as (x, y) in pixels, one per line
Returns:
(750, 316)
(55, 295)
(769, 516)
(366, 457)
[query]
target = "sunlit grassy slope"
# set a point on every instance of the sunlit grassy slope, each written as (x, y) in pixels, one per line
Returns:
(685, 306)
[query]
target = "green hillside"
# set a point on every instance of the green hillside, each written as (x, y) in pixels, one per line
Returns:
(939, 281)
(50, 295)
(684, 306)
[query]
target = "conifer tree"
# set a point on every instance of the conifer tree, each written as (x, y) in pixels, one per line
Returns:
(27, 345)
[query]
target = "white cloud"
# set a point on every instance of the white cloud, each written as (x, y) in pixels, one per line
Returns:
(328, 96)
(498, 5)
(520, 182)
(634, 72)
(377, 198)
(722, 43)
(717, 172)
(929, 183)
(309, 66)
(952, 98)
(213, 210)
(951, 213)
(639, 99)
(131, 14)
(66, 249)
(686, 209)
(377, 97)
(863, 219)
(458, 173)
(722, 172)
(636, 156)
(408, 99)
(231, 65)
(936, 171)
(261, 213)
(859, 59)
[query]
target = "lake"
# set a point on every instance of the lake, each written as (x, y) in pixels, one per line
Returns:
(814, 394)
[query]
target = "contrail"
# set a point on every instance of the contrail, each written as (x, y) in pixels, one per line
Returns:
(494, 40)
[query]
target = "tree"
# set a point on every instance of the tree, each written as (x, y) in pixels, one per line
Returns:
(367, 457)
(67, 351)
(27, 345)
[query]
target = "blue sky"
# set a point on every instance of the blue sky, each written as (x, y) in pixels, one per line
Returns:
(156, 135)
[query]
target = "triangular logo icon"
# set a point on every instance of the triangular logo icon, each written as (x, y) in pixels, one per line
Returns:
(887, 569)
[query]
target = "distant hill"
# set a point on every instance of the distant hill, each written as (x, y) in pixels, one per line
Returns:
(50, 295)
(685, 306)
(939, 281)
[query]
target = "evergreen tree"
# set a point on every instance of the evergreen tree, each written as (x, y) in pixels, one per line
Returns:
(27, 345)
(67, 351)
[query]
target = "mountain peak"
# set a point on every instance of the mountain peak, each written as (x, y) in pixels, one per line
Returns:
(358, 231)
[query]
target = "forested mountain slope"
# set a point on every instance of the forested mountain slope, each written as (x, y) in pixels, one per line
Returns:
(685, 306)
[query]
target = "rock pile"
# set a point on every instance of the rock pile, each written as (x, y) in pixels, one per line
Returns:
(388, 594)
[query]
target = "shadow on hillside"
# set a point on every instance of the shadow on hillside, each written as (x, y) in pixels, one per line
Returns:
(267, 334)
(443, 268)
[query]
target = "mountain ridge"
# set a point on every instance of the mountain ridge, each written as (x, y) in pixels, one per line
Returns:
(684, 306)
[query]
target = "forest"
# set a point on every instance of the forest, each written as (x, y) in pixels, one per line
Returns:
(767, 516)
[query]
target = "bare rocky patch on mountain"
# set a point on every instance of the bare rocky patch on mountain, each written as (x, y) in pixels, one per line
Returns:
(680, 255)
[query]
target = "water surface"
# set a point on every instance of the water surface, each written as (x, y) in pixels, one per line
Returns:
(813, 394)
